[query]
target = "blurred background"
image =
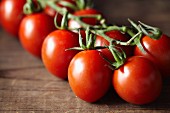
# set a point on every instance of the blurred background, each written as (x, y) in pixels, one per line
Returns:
(152, 12)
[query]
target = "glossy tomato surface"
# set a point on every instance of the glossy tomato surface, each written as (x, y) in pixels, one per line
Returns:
(158, 51)
(89, 75)
(33, 30)
(92, 21)
(117, 35)
(11, 15)
(55, 55)
(138, 81)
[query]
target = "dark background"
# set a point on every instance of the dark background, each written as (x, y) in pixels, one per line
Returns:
(153, 12)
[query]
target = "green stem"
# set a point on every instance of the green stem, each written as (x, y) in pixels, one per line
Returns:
(98, 30)
(122, 29)
(69, 5)
(81, 4)
(110, 28)
(30, 7)
(130, 40)
(71, 16)
(64, 21)
(27, 9)
(118, 56)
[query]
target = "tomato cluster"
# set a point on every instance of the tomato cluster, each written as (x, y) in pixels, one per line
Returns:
(131, 59)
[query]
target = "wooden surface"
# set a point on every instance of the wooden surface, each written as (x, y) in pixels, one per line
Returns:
(26, 86)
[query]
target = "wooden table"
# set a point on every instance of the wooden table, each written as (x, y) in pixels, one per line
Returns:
(27, 87)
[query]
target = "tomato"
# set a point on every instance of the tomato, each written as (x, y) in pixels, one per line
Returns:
(33, 30)
(137, 81)
(54, 54)
(11, 14)
(100, 41)
(89, 75)
(158, 51)
(92, 21)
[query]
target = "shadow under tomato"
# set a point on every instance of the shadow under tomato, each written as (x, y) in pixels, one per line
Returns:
(112, 100)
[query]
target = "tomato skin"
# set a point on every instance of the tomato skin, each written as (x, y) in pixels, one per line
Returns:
(54, 55)
(33, 30)
(137, 81)
(114, 34)
(11, 15)
(89, 75)
(158, 51)
(91, 21)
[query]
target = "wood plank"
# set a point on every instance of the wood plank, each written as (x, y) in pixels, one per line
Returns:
(13, 56)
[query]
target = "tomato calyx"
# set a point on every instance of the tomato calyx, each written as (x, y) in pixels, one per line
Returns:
(119, 56)
(144, 29)
(90, 42)
(152, 32)
(32, 6)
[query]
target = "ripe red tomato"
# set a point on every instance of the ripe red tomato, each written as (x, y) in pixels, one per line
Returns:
(11, 14)
(137, 81)
(92, 21)
(158, 51)
(89, 75)
(100, 41)
(33, 30)
(54, 55)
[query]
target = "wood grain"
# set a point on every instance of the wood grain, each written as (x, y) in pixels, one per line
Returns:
(27, 87)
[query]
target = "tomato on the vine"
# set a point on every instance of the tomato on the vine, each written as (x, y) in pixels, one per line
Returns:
(52, 12)
(91, 21)
(55, 55)
(117, 35)
(33, 30)
(89, 75)
(158, 51)
(11, 15)
(138, 81)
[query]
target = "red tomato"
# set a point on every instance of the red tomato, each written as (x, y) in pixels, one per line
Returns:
(89, 75)
(137, 81)
(54, 55)
(33, 30)
(11, 14)
(158, 51)
(92, 21)
(100, 41)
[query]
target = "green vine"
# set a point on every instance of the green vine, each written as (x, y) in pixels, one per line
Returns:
(136, 31)
(32, 7)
